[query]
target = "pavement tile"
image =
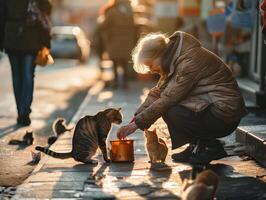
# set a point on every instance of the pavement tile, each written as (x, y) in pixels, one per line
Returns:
(58, 176)
(32, 186)
(47, 194)
(67, 167)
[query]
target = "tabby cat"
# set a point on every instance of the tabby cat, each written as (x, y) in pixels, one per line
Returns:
(156, 147)
(89, 134)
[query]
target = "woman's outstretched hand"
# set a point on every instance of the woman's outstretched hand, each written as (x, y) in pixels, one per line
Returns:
(126, 130)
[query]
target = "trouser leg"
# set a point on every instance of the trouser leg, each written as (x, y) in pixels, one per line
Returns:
(15, 62)
(28, 69)
(186, 126)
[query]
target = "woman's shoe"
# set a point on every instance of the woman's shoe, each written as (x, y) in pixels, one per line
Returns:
(19, 120)
(183, 156)
(25, 120)
(205, 154)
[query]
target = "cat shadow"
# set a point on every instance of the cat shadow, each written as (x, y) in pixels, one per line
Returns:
(158, 174)
(32, 163)
(21, 147)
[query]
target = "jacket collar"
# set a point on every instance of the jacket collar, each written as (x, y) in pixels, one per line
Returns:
(172, 52)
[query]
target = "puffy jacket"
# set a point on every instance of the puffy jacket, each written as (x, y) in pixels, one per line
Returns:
(197, 78)
(16, 35)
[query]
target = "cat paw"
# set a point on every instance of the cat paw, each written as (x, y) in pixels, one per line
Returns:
(107, 160)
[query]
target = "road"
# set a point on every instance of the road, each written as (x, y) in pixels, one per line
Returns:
(59, 90)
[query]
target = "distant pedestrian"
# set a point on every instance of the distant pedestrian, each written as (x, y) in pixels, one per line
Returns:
(22, 35)
(197, 95)
(119, 35)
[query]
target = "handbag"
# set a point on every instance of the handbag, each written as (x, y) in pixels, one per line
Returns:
(44, 57)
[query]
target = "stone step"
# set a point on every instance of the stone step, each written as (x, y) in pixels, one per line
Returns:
(251, 93)
(254, 139)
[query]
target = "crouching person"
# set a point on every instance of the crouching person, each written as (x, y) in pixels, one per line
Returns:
(197, 96)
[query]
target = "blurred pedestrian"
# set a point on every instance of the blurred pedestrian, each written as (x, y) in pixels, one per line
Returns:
(22, 35)
(97, 47)
(196, 96)
(119, 35)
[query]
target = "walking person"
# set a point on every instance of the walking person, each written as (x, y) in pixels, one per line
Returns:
(119, 35)
(197, 96)
(22, 36)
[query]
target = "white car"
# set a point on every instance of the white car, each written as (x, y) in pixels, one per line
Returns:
(70, 42)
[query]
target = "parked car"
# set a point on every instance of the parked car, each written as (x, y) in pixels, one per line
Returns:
(70, 42)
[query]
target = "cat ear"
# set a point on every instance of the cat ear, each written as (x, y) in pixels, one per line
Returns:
(119, 109)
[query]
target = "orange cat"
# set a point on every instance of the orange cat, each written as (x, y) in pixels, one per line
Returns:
(202, 188)
(156, 147)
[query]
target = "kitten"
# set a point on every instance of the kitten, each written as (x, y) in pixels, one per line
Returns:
(59, 127)
(90, 133)
(202, 188)
(26, 140)
(36, 157)
(156, 147)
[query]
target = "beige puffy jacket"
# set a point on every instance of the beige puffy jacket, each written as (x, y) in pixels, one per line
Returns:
(197, 78)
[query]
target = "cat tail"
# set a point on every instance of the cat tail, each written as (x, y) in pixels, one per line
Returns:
(15, 142)
(54, 154)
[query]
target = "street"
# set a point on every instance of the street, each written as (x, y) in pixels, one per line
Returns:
(59, 90)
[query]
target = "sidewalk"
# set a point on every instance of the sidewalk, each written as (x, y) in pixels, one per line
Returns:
(53, 178)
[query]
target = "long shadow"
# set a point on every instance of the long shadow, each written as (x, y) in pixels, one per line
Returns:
(9, 129)
(149, 188)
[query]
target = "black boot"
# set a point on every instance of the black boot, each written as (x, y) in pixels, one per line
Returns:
(184, 156)
(205, 153)
(25, 120)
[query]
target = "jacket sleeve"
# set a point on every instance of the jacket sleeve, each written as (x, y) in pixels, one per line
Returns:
(153, 95)
(184, 82)
(3, 13)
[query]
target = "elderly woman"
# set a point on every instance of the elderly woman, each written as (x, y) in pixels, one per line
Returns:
(197, 96)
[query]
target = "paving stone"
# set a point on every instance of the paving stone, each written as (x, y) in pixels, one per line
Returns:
(163, 194)
(58, 176)
(48, 194)
(33, 186)
(52, 160)
(95, 194)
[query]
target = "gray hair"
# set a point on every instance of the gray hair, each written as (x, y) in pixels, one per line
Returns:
(148, 48)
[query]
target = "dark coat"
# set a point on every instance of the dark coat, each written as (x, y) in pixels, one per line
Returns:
(16, 35)
(118, 30)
